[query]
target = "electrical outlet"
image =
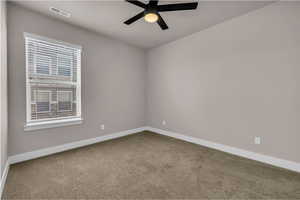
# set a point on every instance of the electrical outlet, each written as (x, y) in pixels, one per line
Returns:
(102, 127)
(257, 140)
(164, 122)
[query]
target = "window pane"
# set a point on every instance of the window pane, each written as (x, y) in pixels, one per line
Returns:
(42, 106)
(43, 64)
(43, 101)
(64, 64)
(64, 100)
(64, 105)
(64, 96)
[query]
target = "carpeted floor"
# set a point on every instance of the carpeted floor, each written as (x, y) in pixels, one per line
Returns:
(148, 166)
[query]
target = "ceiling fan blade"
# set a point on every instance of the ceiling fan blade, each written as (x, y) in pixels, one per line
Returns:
(153, 2)
(137, 3)
(179, 6)
(161, 22)
(135, 18)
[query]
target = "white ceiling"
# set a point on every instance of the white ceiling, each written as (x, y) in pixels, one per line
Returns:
(107, 17)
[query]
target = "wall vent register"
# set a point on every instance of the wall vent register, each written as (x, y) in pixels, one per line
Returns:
(58, 11)
(53, 82)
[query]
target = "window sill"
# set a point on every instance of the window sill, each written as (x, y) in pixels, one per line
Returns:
(52, 124)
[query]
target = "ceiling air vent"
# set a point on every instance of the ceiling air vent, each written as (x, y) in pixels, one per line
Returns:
(60, 12)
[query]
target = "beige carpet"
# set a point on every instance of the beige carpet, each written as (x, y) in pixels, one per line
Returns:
(148, 166)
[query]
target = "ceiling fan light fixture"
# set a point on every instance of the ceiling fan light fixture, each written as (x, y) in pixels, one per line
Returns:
(151, 17)
(152, 9)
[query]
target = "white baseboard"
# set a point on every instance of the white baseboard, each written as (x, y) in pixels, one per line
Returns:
(51, 150)
(290, 165)
(3, 178)
(294, 166)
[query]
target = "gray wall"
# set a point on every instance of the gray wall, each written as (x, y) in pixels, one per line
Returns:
(113, 83)
(3, 87)
(232, 82)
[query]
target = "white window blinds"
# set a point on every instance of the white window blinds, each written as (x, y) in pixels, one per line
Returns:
(53, 84)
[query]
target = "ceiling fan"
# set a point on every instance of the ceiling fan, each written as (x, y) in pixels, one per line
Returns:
(152, 9)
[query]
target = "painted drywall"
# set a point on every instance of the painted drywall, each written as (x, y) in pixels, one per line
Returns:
(3, 87)
(232, 82)
(107, 17)
(113, 83)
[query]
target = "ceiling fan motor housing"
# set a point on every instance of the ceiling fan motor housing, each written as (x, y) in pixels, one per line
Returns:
(150, 10)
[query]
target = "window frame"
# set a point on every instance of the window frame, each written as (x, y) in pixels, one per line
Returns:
(59, 121)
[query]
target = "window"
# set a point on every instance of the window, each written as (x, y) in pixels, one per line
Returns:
(53, 86)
